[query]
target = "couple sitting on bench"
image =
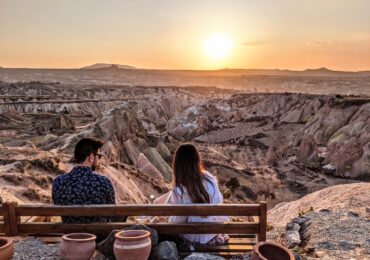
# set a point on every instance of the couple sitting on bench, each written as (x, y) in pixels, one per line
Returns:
(191, 184)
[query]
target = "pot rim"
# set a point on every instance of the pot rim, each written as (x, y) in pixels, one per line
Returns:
(119, 234)
(257, 247)
(8, 243)
(91, 237)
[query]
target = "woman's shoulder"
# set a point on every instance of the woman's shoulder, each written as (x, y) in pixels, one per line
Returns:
(210, 176)
(179, 191)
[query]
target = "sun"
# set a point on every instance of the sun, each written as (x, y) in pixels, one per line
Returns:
(217, 46)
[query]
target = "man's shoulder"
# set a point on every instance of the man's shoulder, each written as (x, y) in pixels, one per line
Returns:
(59, 179)
(101, 178)
(60, 182)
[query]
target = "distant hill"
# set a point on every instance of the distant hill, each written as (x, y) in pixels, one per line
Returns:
(320, 72)
(107, 65)
(327, 72)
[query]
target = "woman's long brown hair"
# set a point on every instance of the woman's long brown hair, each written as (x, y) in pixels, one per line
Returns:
(187, 171)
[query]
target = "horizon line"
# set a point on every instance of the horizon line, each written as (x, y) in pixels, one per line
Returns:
(169, 69)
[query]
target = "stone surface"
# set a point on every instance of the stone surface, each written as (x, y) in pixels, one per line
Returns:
(131, 151)
(300, 220)
(156, 159)
(165, 250)
(329, 169)
(203, 256)
(164, 151)
(307, 149)
(337, 227)
(292, 236)
(334, 235)
(351, 197)
(31, 248)
(144, 165)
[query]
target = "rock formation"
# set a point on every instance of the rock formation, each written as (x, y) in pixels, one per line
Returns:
(274, 147)
(332, 223)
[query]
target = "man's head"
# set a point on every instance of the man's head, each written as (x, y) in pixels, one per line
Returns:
(87, 152)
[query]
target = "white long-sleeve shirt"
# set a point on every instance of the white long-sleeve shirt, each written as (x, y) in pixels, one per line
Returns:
(179, 197)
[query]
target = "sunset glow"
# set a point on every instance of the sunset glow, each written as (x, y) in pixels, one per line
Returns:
(186, 34)
(217, 46)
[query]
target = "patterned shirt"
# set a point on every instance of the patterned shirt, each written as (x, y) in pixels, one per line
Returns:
(82, 186)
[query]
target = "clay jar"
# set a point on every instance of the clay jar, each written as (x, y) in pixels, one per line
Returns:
(6, 248)
(271, 251)
(77, 246)
(132, 245)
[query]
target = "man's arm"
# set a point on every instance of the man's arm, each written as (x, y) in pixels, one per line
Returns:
(54, 192)
(111, 199)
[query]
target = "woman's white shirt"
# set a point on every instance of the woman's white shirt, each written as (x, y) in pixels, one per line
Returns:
(179, 197)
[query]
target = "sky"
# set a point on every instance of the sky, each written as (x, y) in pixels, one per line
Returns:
(173, 34)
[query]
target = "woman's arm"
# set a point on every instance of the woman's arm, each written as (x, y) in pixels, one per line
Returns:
(217, 198)
(176, 199)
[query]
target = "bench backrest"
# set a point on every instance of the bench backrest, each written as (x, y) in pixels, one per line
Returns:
(13, 226)
(2, 220)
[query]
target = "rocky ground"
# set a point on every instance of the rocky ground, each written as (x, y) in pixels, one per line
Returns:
(32, 248)
(333, 223)
(275, 147)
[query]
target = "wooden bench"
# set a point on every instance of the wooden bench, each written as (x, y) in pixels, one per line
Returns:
(243, 234)
(2, 220)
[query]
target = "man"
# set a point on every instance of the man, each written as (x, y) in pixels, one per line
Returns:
(83, 186)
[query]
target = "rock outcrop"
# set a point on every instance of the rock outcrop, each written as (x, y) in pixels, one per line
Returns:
(144, 165)
(304, 123)
(156, 159)
(352, 197)
(332, 223)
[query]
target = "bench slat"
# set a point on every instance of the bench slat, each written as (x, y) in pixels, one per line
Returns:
(140, 210)
(242, 241)
(2, 228)
(164, 228)
(232, 241)
(225, 248)
(243, 235)
(226, 255)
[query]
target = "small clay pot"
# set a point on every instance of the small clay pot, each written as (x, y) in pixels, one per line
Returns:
(6, 248)
(77, 246)
(271, 251)
(132, 245)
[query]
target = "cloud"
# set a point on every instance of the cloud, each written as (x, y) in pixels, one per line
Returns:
(256, 43)
(318, 43)
(356, 38)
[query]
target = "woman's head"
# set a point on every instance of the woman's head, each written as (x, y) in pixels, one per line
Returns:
(187, 171)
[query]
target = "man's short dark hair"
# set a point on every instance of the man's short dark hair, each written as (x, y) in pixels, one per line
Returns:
(85, 147)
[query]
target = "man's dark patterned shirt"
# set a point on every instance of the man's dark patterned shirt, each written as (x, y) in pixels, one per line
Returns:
(82, 186)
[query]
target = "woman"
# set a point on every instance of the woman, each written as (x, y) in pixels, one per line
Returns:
(191, 184)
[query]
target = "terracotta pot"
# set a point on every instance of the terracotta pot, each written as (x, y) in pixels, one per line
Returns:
(77, 246)
(271, 251)
(6, 248)
(132, 245)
